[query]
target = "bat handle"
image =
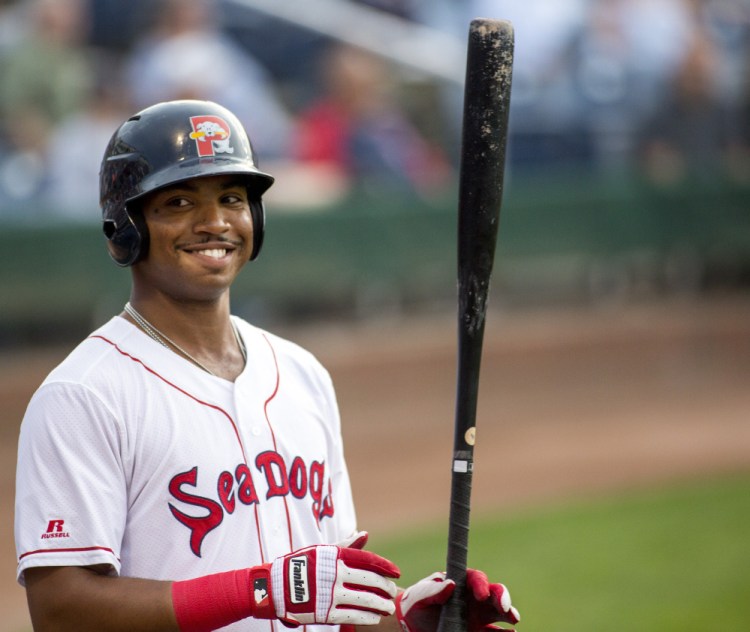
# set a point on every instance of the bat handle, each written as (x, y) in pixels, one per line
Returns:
(453, 613)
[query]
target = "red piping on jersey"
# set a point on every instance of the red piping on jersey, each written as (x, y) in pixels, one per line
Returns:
(184, 392)
(229, 417)
(273, 438)
(273, 435)
(223, 412)
(79, 550)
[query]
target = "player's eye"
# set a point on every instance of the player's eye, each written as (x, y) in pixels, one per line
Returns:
(233, 199)
(177, 202)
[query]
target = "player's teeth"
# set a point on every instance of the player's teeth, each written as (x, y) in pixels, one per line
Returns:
(217, 253)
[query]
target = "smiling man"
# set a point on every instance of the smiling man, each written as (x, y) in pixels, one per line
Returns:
(182, 469)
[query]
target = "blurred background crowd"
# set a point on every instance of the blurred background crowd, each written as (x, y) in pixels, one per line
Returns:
(628, 174)
(370, 101)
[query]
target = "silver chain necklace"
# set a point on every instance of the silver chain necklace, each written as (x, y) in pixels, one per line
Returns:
(163, 339)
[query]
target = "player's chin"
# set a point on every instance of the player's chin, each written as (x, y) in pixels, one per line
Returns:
(215, 270)
(204, 284)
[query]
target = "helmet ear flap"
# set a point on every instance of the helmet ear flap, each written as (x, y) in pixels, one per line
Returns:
(258, 214)
(127, 244)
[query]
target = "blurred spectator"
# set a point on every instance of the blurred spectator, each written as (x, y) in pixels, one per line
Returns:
(587, 73)
(287, 51)
(45, 77)
(546, 122)
(187, 55)
(694, 132)
(596, 84)
(543, 33)
(359, 132)
(13, 24)
(47, 71)
(727, 23)
(116, 24)
(77, 145)
(627, 54)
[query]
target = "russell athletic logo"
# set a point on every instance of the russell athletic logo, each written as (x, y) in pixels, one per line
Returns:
(211, 135)
(55, 529)
(298, 579)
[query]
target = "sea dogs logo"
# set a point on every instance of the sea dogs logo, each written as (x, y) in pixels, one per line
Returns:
(211, 135)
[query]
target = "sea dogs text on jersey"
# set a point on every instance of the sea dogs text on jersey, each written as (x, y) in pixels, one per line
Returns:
(297, 480)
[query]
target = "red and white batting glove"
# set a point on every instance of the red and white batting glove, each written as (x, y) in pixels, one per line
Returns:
(319, 584)
(418, 607)
(326, 584)
(356, 540)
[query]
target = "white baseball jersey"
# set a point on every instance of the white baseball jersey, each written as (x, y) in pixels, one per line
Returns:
(131, 456)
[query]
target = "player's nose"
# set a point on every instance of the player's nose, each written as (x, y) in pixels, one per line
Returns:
(212, 217)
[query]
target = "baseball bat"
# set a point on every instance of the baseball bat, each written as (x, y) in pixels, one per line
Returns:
(489, 70)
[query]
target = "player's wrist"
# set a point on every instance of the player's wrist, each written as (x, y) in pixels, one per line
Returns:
(214, 601)
(262, 595)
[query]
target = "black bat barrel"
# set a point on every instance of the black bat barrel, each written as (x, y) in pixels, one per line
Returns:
(484, 138)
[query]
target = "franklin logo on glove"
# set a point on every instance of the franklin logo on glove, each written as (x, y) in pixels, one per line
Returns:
(298, 579)
(331, 585)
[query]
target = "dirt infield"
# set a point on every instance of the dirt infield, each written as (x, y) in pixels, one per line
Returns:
(571, 403)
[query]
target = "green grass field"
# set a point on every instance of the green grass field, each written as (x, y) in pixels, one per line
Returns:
(672, 559)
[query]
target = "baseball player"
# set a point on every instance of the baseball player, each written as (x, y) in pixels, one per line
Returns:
(182, 469)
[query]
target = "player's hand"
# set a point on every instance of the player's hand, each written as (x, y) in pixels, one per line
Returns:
(418, 607)
(332, 585)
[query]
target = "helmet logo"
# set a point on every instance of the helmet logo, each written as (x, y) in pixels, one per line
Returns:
(211, 135)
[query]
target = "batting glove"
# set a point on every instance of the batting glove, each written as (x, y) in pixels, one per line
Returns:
(356, 540)
(418, 607)
(326, 584)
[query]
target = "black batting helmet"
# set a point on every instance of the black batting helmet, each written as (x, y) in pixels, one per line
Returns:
(165, 144)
